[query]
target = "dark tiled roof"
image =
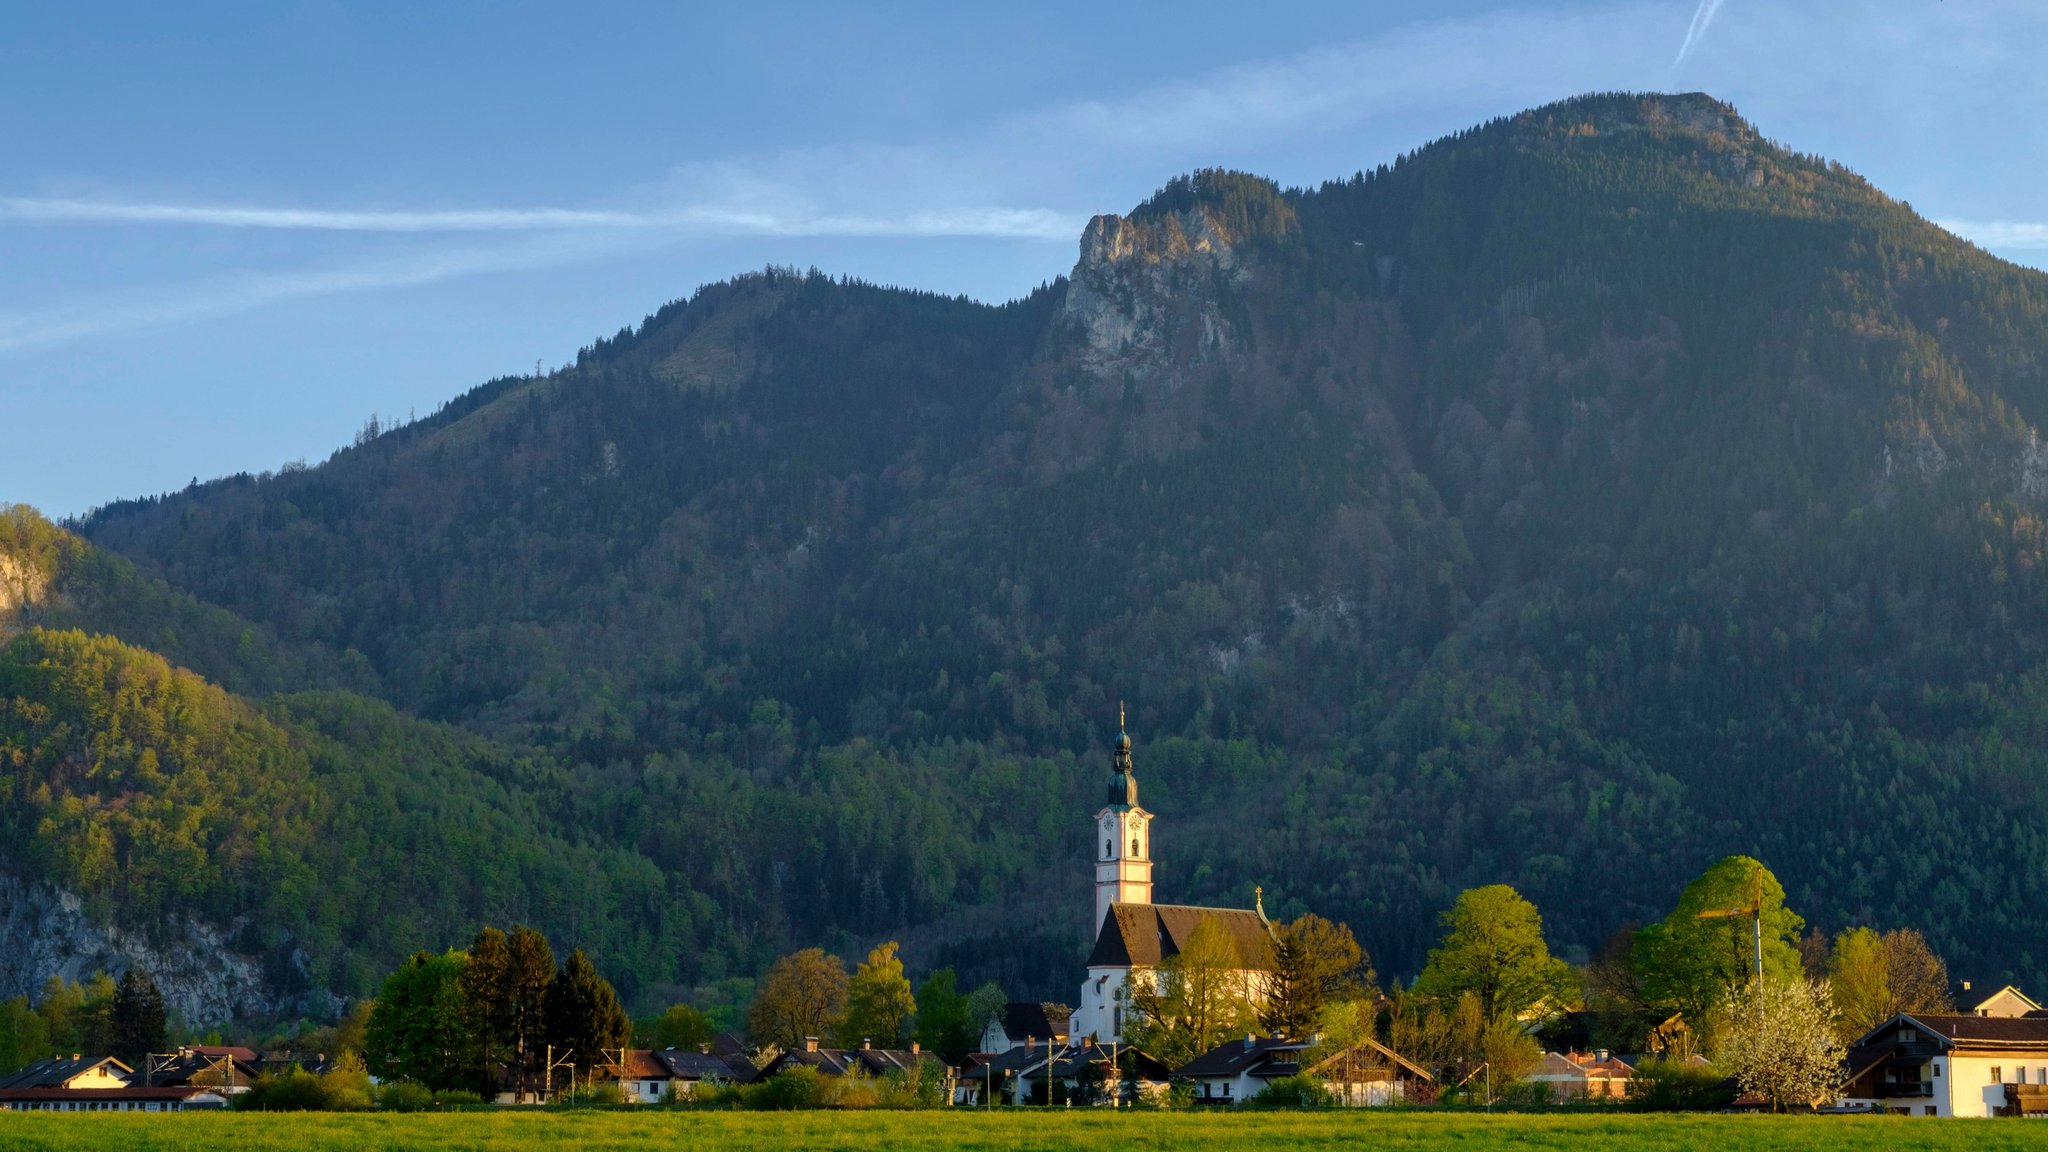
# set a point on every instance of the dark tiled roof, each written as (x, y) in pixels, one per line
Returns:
(1069, 1062)
(683, 1064)
(1233, 1057)
(53, 1072)
(845, 1061)
(2001, 1030)
(219, 1070)
(1035, 1019)
(1141, 935)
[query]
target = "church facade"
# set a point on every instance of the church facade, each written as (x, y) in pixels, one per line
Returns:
(1132, 934)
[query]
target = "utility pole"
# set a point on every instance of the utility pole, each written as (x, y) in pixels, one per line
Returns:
(565, 1062)
(1754, 909)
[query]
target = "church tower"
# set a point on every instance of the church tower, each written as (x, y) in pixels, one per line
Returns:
(1123, 838)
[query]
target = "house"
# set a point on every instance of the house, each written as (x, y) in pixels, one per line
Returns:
(1596, 1075)
(1133, 935)
(72, 1074)
(132, 1098)
(651, 1075)
(95, 1084)
(2006, 1002)
(1922, 1064)
(1026, 1020)
(1367, 1074)
(865, 1060)
(230, 1070)
(1089, 1074)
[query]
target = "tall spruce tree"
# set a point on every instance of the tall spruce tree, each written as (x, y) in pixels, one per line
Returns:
(584, 1018)
(529, 972)
(486, 990)
(139, 1018)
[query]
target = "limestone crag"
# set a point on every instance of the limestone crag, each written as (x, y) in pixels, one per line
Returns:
(1145, 292)
(47, 932)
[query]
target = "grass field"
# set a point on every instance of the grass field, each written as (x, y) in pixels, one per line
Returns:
(999, 1131)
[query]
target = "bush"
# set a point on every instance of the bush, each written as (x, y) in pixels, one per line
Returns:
(293, 1090)
(405, 1096)
(788, 1090)
(1675, 1086)
(608, 1092)
(1298, 1091)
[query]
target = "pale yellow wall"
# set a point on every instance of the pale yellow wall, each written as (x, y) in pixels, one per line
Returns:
(104, 1076)
(1969, 1089)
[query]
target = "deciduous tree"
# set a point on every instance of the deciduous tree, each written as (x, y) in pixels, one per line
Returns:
(879, 1004)
(1493, 947)
(1872, 977)
(1686, 963)
(1781, 1044)
(802, 994)
(1193, 999)
(419, 1028)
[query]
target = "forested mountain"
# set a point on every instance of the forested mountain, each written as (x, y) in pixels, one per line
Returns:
(1570, 503)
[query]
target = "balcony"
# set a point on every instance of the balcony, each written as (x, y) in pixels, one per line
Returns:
(1906, 1089)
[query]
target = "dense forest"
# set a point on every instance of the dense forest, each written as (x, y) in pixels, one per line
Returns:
(1569, 503)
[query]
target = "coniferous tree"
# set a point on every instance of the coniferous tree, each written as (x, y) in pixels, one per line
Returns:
(138, 1017)
(585, 1022)
(529, 973)
(486, 988)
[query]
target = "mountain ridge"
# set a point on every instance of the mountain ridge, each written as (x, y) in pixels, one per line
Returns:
(1586, 485)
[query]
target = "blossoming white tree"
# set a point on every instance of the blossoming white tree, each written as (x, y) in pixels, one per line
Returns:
(1781, 1044)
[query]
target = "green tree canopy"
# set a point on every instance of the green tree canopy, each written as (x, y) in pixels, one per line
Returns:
(585, 1022)
(681, 1026)
(879, 1004)
(1688, 961)
(419, 1028)
(1493, 947)
(1316, 963)
(942, 1024)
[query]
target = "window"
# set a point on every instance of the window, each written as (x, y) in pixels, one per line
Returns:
(1997, 1074)
(1134, 846)
(1937, 1071)
(1108, 849)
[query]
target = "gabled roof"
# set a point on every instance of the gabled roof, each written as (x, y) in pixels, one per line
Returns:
(1948, 1032)
(1035, 1019)
(1141, 935)
(846, 1061)
(1068, 1062)
(220, 1069)
(2014, 999)
(57, 1070)
(687, 1064)
(1235, 1057)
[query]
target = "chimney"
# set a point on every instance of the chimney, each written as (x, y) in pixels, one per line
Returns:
(866, 1044)
(810, 1043)
(913, 1048)
(704, 1049)
(1250, 1041)
(1600, 1055)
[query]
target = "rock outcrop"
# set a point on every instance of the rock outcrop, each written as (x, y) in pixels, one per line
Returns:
(47, 932)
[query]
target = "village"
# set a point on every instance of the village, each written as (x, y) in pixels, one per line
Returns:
(1181, 1006)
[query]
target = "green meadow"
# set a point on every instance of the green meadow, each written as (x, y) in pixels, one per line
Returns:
(1000, 1131)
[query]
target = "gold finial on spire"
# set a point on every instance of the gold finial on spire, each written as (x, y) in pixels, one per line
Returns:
(1119, 715)
(1259, 897)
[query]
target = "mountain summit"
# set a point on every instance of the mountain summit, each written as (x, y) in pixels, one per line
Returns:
(1569, 503)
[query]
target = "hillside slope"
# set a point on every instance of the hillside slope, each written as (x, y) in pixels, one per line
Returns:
(1572, 502)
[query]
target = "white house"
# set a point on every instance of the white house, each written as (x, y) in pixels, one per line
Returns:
(1921, 1064)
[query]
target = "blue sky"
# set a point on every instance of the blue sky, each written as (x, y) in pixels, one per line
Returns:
(228, 234)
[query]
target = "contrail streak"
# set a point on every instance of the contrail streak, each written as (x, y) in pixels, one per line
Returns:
(1701, 17)
(1017, 223)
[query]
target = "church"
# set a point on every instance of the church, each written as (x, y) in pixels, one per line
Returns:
(1132, 934)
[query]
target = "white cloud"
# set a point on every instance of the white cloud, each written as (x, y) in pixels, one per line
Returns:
(1999, 233)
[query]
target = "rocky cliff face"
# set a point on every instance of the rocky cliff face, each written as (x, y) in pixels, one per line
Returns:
(1145, 292)
(21, 584)
(47, 932)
